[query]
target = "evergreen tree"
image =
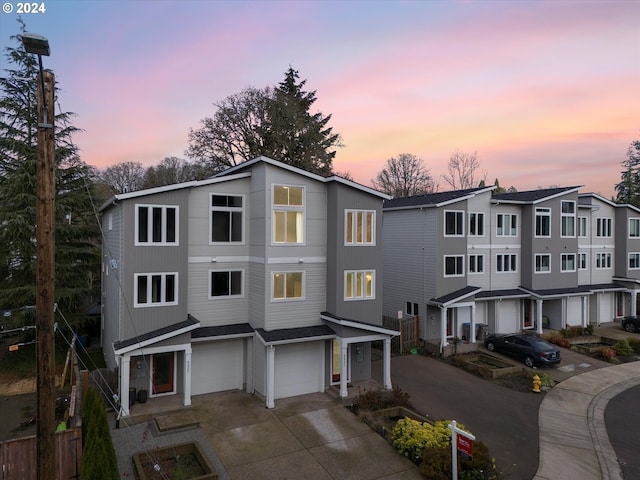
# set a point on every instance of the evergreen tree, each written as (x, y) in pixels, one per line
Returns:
(628, 190)
(77, 235)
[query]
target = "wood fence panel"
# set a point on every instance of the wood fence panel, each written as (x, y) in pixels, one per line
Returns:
(409, 333)
(19, 457)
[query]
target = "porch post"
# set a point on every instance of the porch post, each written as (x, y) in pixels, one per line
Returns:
(443, 328)
(271, 365)
(187, 376)
(472, 333)
(539, 316)
(634, 302)
(387, 363)
(125, 364)
(584, 311)
(532, 311)
(344, 348)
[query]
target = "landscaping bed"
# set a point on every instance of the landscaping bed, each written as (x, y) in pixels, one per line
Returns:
(184, 461)
(486, 366)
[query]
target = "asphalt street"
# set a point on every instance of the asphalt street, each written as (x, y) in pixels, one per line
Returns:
(622, 418)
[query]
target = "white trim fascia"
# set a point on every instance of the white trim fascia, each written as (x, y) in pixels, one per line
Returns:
(296, 260)
(623, 279)
(344, 181)
(602, 199)
(151, 341)
(363, 339)
(360, 326)
(186, 347)
(296, 340)
(219, 259)
(223, 337)
(457, 302)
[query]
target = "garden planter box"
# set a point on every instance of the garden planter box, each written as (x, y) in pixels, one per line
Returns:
(488, 367)
(194, 466)
(447, 351)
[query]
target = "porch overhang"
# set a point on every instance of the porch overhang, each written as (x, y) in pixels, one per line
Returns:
(295, 335)
(552, 293)
(454, 297)
(222, 332)
(368, 327)
(612, 287)
(135, 343)
(512, 293)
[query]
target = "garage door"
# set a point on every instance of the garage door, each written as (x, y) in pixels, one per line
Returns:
(299, 369)
(508, 319)
(217, 366)
(574, 311)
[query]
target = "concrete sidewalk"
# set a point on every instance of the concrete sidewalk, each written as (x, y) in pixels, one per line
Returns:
(574, 443)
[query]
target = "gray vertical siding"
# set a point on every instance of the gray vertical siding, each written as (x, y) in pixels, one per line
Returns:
(111, 272)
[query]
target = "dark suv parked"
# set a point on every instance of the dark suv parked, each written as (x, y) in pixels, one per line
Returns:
(533, 350)
(631, 324)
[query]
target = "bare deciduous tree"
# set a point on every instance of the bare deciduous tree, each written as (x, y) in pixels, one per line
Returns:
(123, 177)
(404, 176)
(462, 171)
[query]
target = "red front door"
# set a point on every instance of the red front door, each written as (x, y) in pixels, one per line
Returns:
(163, 364)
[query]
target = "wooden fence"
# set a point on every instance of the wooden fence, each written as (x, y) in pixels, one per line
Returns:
(409, 329)
(19, 457)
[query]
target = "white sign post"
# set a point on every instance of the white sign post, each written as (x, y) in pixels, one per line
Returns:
(455, 431)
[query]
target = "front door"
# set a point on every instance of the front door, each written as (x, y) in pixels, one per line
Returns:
(163, 364)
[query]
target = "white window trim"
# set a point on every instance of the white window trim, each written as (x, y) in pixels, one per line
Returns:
(603, 256)
(355, 242)
(604, 222)
(364, 296)
(580, 230)
(151, 243)
(150, 304)
(543, 212)
(477, 272)
(535, 263)
(507, 255)
(634, 220)
(582, 255)
(575, 265)
(444, 266)
(568, 215)
(637, 254)
(477, 214)
(227, 209)
(226, 297)
(294, 299)
(461, 212)
(285, 208)
(509, 215)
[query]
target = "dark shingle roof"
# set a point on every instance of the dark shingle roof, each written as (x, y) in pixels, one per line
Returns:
(512, 292)
(531, 196)
(458, 294)
(554, 292)
(295, 333)
(222, 330)
(190, 321)
(430, 199)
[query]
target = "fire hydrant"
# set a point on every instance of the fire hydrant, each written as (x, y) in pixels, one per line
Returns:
(536, 384)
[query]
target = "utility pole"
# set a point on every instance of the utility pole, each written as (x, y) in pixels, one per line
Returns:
(45, 265)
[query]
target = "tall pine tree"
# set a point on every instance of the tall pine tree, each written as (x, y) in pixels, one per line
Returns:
(628, 190)
(77, 272)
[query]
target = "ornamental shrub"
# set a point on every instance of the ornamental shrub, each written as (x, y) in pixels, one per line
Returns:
(607, 353)
(623, 348)
(371, 400)
(634, 343)
(560, 341)
(437, 464)
(411, 437)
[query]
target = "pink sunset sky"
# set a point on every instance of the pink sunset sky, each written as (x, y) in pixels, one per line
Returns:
(546, 93)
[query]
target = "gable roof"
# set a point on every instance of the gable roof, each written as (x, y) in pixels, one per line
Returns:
(437, 199)
(149, 338)
(532, 196)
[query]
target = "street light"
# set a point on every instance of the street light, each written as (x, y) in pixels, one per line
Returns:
(45, 265)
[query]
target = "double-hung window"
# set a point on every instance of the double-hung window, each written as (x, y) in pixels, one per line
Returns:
(568, 262)
(453, 223)
(288, 214)
(225, 283)
(568, 218)
(543, 222)
(359, 285)
(603, 227)
(634, 227)
(155, 289)
(603, 260)
(634, 261)
(360, 227)
(476, 263)
(582, 261)
(476, 224)
(287, 285)
(156, 225)
(543, 263)
(507, 225)
(582, 227)
(454, 265)
(506, 262)
(226, 218)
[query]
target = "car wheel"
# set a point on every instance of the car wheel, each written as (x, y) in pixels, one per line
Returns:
(491, 347)
(629, 327)
(528, 361)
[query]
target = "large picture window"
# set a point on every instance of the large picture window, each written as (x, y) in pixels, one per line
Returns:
(603, 227)
(225, 283)
(226, 218)
(476, 224)
(453, 223)
(568, 219)
(360, 227)
(453, 265)
(507, 225)
(507, 262)
(543, 222)
(288, 214)
(288, 285)
(155, 289)
(359, 285)
(603, 260)
(156, 225)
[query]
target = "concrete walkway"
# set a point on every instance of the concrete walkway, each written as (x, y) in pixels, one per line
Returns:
(574, 443)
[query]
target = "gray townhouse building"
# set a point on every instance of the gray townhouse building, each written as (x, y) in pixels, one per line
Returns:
(470, 261)
(265, 278)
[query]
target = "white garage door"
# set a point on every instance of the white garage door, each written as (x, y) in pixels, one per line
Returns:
(508, 318)
(299, 369)
(574, 311)
(217, 366)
